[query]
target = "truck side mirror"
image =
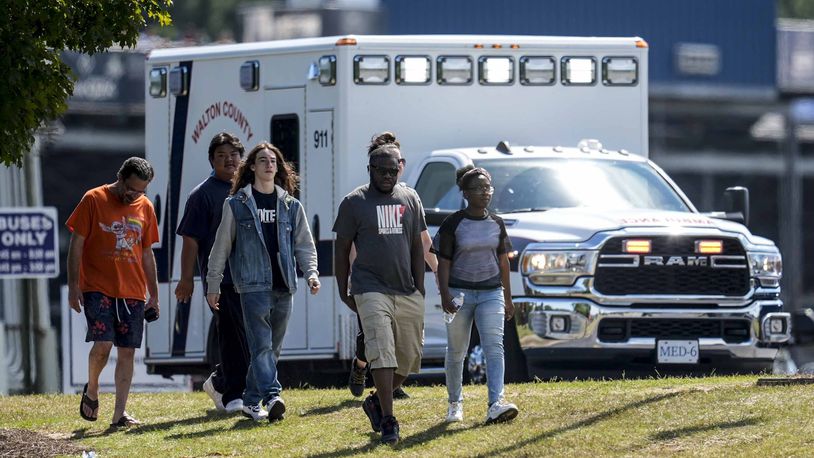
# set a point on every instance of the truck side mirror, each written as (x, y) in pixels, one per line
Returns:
(736, 200)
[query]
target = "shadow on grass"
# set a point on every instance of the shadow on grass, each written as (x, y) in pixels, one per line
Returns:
(434, 432)
(211, 415)
(582, 424)
(680, 432)
(346, 404)
(241, 424)
(146, 428)
(84, 433)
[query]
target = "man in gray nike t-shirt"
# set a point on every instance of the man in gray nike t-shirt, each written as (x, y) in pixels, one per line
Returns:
(385, 222)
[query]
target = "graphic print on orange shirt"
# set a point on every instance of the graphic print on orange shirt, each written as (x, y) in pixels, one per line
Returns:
(128, 235)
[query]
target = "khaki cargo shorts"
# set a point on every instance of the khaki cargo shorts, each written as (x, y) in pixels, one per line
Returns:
(394, 330)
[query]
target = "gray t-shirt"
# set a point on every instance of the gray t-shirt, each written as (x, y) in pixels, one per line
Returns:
(383, 228)
(473, 245)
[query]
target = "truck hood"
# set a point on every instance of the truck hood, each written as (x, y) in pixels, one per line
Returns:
(580, 224)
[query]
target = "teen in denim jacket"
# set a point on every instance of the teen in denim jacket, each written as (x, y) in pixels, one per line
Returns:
(265, 235)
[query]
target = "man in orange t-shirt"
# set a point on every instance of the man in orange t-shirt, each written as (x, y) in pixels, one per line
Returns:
(110, 268)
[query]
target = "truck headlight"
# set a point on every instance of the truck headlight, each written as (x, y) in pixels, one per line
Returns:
(557, 267)
(767, 268)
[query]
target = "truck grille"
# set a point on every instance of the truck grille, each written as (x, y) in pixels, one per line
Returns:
(681, 273)
(622, 329)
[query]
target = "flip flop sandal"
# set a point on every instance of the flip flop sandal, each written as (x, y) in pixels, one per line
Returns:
(125, 421)
(89, 403)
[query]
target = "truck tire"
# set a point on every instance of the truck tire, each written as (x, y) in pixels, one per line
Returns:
(516, 370)
(474, 363)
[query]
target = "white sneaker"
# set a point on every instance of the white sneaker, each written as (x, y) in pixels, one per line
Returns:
(235, 405)
(455, 412)
(276, 409)
(255, 412)
(501, 411)
(217, 398)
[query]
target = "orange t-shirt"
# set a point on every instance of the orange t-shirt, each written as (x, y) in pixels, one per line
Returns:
(115, 237)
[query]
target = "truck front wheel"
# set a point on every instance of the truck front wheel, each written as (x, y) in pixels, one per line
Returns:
(516, 370)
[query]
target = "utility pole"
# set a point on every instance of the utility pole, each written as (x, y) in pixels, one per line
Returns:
(36, 309)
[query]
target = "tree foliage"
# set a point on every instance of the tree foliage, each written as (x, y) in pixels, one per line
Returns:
(34, 82)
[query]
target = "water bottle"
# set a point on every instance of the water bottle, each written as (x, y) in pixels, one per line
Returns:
(457, 301)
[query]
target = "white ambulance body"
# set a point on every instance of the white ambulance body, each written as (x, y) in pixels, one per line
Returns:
(320, 100)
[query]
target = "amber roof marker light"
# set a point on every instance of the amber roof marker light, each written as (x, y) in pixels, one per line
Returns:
(346, 41)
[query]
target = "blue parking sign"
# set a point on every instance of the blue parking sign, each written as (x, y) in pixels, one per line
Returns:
(29, 246)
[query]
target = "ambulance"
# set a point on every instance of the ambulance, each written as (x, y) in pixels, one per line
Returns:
(606, 261)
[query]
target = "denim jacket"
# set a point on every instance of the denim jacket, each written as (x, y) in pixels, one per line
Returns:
(240, 239)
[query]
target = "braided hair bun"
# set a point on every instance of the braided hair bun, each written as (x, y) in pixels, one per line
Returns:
(381, 140)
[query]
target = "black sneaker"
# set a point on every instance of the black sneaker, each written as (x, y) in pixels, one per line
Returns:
(373, 410)
(399, 393)
(276, 409)
(390, 430)
(356, 379)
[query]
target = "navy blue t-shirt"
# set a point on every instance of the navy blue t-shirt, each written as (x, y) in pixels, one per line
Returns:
(201, 220)
(267, 212)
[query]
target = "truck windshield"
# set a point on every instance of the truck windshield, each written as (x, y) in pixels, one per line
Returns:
(542, 184)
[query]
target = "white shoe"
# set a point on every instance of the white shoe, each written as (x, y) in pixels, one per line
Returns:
(501, 411)
(455, 412)
(217, 398)
(276, 409)
(235, 405)
(255, 412)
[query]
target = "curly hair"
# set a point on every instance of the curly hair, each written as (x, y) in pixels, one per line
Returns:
(285, 177)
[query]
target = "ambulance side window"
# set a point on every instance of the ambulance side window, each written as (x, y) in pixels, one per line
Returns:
(285, 135)
(438, 191)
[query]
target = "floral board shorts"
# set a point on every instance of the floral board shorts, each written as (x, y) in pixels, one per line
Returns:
(116, 320)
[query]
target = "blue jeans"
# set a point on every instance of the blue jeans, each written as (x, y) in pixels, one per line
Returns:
(265, 315)
(486, 308)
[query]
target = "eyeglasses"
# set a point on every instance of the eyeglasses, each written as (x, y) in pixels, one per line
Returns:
(384, 171)
(132, 191)
(482, 189)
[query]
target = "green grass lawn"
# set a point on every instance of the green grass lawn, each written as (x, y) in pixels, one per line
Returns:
(721, 416)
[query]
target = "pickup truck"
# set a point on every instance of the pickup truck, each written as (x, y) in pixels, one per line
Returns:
(614, 268)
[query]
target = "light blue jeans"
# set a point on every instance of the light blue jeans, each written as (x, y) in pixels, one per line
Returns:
(486, 308)
(265, 315)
